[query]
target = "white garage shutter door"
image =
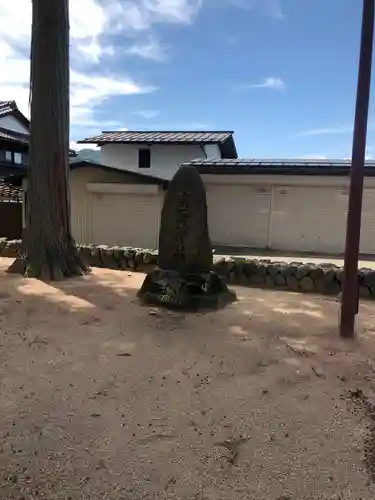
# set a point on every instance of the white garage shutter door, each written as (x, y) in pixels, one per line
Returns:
(126, 219)
(311, 219)
(368, 222)
(239, 215)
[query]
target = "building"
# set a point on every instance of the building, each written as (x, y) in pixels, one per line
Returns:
(112, 206)
(119, 201)
(289, 205)
(292, 205)
(14, 135)
(14, 139)
(14, 130)
(161, 153)
(14, 163)
(286, 205)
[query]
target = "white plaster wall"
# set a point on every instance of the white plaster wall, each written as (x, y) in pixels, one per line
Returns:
(165, 159)
(11, 123)
(80, 197)
(212, 152)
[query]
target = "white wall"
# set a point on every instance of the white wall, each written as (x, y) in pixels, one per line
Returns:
(11, 123)
(81, 201)
(212, 152)
(165, 159)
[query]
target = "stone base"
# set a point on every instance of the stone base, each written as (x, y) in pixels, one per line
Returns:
(185, 292)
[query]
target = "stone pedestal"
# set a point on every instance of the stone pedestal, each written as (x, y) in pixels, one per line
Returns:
(190, 292)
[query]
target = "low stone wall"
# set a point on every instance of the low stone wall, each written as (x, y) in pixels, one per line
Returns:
(323, 279)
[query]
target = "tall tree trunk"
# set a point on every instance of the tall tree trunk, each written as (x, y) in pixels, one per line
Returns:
(49, 249)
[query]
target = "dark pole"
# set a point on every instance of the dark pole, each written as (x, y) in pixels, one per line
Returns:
(350, 295)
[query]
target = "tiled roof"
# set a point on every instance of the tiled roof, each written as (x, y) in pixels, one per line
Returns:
(277, 167)
(18, 137)
(161, 137)
(12, 136)
(7, 107)
(10, 192)
(11, 108)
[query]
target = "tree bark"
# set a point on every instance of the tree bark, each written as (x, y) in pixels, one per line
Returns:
(49, 250)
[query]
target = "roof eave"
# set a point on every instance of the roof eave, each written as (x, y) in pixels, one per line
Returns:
(19, 116)
(315, 171)
(74, 164)
(228, 149)
(156, 143)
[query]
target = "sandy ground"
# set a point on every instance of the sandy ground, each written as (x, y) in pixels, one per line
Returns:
(102, 398)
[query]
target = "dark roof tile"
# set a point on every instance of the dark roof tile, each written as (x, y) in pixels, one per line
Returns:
(224, 139)
(12, 136)
(277, 166)
(163, 137)
(11, 108)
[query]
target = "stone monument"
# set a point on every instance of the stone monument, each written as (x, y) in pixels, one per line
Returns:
(184, 278)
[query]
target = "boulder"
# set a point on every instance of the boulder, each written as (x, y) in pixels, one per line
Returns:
(273, 269)
(368, 278)
(3, 244)
(96, 260)
(257, 279)
(289, 270)
(364, 291)
(303, 271)
(120, 255)
(340, 276)
(270, 281)
(328, 286)
(307, 284)
(106, 257)
(262, 269)
(292, 283)
(85, 252)
(280, 280)
(249, 267)
(223, 266)
(316, 273)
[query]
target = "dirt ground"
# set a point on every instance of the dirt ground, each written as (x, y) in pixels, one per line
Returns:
(101, 398)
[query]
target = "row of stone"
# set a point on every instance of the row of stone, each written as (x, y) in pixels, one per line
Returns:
(295, 276)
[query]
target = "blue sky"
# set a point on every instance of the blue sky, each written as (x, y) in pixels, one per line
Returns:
(280, 73)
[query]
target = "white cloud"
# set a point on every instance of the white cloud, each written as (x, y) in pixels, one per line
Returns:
(313, 157)
(147, 113)
(78, 147)
(274, 8)
(132, 16)
(93, 22)
(100, 31)
(94, 89)
(337, 130)
(270, 82)
(149, 49)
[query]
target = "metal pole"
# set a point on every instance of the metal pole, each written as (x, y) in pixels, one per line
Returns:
(350, 295)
